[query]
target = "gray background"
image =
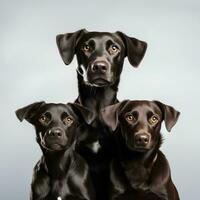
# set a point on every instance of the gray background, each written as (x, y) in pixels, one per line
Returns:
(32, 70)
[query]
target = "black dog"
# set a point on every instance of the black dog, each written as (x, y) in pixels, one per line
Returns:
(141, 171)
(61, 173)
(100, 57)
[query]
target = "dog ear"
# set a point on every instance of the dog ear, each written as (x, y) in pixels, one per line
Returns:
(111, 113)
(135, 49)
(86, 114)
(67, 44)
(29, 111)
(170, 115)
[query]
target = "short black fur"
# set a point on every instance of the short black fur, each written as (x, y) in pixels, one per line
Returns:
(61, 173)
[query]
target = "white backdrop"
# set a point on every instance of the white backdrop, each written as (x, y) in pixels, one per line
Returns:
(32, 70)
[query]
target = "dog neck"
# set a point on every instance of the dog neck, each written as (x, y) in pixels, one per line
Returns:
(95, 98)
(132, 158)
(56, 163)
(138, 165)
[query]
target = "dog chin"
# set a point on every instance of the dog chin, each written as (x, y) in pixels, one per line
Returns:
(139, 149)
(53, 147)
(99, 82)
(132, 147)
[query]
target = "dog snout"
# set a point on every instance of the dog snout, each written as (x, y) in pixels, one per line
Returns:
(142, 139)
(99, 67)
(55, 133)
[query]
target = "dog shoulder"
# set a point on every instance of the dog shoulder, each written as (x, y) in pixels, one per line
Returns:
(78, 176)
(160, 174)
(78, 165)
(117, 178)
(40, 181)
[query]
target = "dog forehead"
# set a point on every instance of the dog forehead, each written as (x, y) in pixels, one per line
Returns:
(55, 109)
(142, 106)
(101, 37)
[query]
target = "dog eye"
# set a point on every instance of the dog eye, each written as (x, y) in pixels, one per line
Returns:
(113, 49)
(130, 118)
(43, 119)
(153, 120)
(68, 121)
(86, 48)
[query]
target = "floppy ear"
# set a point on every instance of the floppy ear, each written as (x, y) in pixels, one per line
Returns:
(67, 43)
(87, 115)
(111, 113)
(170, 115)
(29, 111)
(135, 49)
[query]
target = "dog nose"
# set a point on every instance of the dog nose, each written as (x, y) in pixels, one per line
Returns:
(100, 67)
(55, 132)
(142, 139)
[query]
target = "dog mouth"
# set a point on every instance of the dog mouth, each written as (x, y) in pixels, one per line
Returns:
(53, 146)
(141, 149)
(138, 149)
(133, 147)
(99, 82)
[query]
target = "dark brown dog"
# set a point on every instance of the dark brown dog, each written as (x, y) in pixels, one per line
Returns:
(61, 173)
(141, 171)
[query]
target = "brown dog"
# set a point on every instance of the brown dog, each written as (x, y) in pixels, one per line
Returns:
(140, 171)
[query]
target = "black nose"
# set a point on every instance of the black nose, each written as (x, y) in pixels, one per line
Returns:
(55, 132)
(142, 140)
(99, 67)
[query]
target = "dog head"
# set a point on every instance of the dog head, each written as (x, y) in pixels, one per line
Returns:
(140, 122)
(100, 55)
(55, 124)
